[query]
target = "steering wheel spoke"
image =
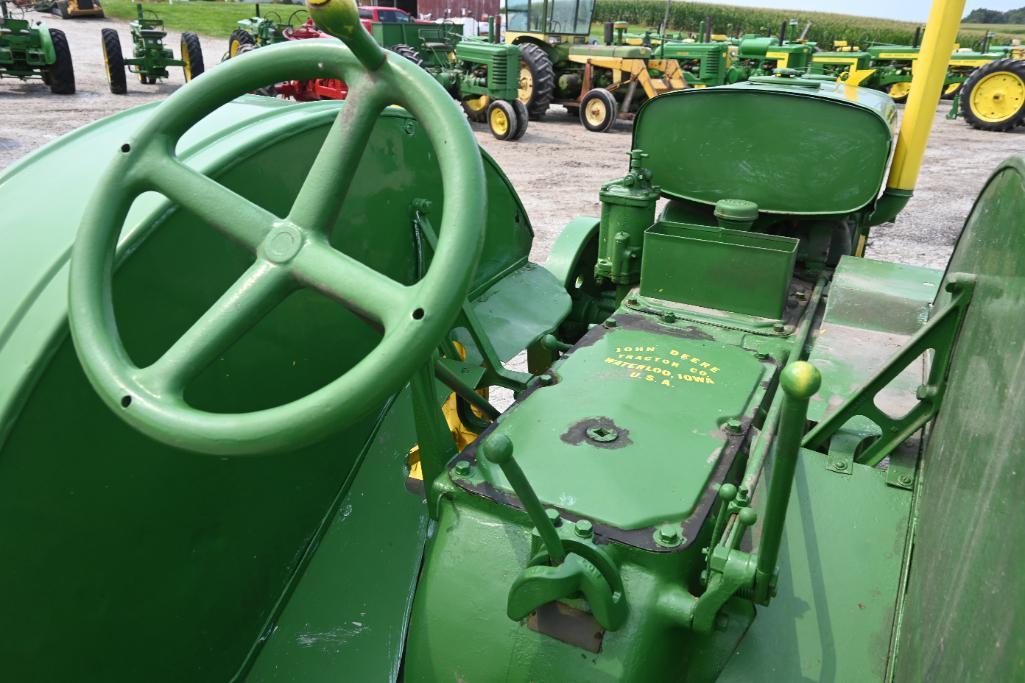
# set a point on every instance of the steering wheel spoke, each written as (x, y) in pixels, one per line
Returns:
(230, 213)
(362, 289)
(323, 192)
(262, 287)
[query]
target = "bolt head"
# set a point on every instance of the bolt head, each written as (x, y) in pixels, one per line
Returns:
(669, 317)
(545, 379)
(669, 534)
(779, 328)
(905, 479)
(840, 465)
(583, 528)
(611, 322)
(734, 425)
(553, 516)
(462, 468)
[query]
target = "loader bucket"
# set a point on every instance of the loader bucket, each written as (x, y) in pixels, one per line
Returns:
(128, 560)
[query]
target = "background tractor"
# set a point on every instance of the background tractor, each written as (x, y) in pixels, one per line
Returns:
(150, 58)
(558, 64)
(993, 96)
(70, 9)
(244, 435)
(35, 51)
(259, 31)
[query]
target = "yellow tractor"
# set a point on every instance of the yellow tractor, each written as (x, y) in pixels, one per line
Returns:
(71, 9)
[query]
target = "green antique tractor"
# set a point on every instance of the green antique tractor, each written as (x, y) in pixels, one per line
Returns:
(150, 57)
(245, 375)
(30, 51)
(599, 84)
(262, 30)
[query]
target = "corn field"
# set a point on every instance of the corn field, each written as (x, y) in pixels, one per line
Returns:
(825, 28)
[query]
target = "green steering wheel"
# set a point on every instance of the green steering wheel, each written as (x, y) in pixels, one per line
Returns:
(291, 252)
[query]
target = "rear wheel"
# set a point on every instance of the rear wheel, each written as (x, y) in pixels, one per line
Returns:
(409, 53)
(113, 61)
(899, 91)
(537, 80)
(192, 56)
(476, 107)
(237, 40)
(62, 71)
(521, 119)
(598, 110)
(993, 97)
(502, 120)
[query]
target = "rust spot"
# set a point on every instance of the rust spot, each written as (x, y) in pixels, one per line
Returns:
(577, 433)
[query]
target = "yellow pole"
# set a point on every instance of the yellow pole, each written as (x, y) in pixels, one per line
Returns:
(931, 71)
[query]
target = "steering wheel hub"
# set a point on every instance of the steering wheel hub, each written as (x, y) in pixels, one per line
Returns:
(283, 243)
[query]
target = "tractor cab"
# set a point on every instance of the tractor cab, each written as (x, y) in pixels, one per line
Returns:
(246, 382)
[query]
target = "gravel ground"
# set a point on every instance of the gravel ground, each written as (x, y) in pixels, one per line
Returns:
(557, 167)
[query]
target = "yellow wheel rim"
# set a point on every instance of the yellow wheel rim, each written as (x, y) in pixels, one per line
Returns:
(526, 89)
(106, 63)
(596, 112)
(233, 48)
(186, 64)
(952, 88)
(900, 90)
(477, 104)
(499, 121)
(998, 97)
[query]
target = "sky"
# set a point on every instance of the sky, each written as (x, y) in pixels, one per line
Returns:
(907, 10)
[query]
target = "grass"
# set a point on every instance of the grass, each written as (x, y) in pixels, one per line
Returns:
(216, 19)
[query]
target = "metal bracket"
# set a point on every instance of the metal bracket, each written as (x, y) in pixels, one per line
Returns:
(939, 335)
(495, 372)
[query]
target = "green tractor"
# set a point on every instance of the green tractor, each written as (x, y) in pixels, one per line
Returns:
(30, 52)
(150, 57)
(260, 30)
(245, 377)
(600, 84)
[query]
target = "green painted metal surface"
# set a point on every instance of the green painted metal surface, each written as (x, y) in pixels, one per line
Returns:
(158, 527)
(964, 587)
(780, 131)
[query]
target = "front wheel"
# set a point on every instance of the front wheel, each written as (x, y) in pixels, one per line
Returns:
(192, 56)
(237, 40)
(598, 110)
(502, 120)
(522, 118)
(113, 61)
(62, 71)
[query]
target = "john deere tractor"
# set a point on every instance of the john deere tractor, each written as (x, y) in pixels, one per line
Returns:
(993, 96)
(30, 51)
(246, 432)
(558, 64)
(150, 58)
(262, 30)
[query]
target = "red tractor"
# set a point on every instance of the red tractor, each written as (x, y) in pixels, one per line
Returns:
(320, 88)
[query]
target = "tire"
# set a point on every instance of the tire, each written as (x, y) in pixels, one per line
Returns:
(899, 92)
(62, 71)
(572, 111)
(237, 40)
(192, 55)
(598, 110)
(522, 118)
(502, 120)
(409, 53)
(993, 97)
(476, 108)
(114, 61)
(537, 80)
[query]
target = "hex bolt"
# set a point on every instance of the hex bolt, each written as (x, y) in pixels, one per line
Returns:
(462, 468)
(553, 516)
(611, 322)
(779, 328)
(668, 535)
(632, 301)
(734, 425)
(583, 528)
(545, 379)
(927, 392)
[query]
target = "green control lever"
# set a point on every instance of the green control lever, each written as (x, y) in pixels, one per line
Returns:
(567, 566)
(499, 450)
